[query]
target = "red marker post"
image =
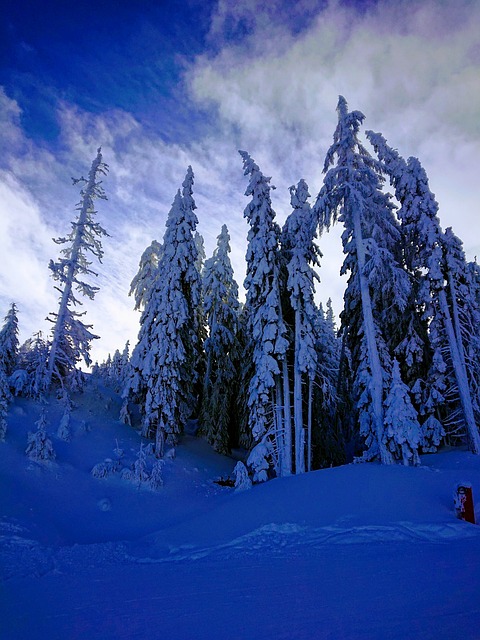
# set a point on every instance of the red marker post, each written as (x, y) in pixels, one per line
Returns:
(464, 502)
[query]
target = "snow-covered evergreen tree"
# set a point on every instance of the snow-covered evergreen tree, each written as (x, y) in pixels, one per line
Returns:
(242, 479)
(303, 255)
(39, 445)
(9, 341)
(30, 379)
(200, 322)
(352, 194)
(3, 424)
(144, 279)
(201, 255)
(164, 363)
(268, 413)
(465, 311)
(71, 339)
(5, 397)
(326, 431)
(117, 370)
(138, 473)
(106, 468)
(155, 480)
(243, 434)
(402, 429)
(220, 299)
(64, 431)
(427, 245)
(125, 366)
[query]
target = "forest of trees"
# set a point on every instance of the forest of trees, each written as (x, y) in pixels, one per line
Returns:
(274, 376)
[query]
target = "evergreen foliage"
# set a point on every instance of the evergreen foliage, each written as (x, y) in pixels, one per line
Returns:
(144, 279)
(272, 375)
(265, 325)
(155, 480)
(71, 339)
(402, 429)
(242, 479)
(30, 378)
(352, 193)
(220, 300)
(329, 432)
(9, 341)
(64, 431)
(39, 445)
(164, 363)
(5, 397)
(439, 261)
(303, 256)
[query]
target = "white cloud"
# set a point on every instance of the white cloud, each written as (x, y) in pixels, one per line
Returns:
(411, 67)
(25, 243)
(39, 203)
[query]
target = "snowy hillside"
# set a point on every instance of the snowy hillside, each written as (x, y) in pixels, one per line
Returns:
(360, 551)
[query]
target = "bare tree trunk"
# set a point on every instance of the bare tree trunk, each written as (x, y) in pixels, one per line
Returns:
(460, 371)
(309, 424)
(373, 355)
(279, 428)
(297, 401)
(287, 426)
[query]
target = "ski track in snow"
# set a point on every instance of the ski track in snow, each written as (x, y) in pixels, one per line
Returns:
(21, 557)
(279, 539)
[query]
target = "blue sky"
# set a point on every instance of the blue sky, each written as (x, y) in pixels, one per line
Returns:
(166, 84)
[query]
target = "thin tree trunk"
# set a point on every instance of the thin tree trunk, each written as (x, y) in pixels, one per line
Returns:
(208, 371)
(456, 319)
(160, 443)
(309, 424)
(287, 426)
(373, 355)
(297, 401)
(68, 284)
(287, 410)
(460, 376)
(279, 428)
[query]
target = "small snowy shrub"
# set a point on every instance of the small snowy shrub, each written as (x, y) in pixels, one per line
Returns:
(432, 433)
(18, 381)
(85, 427)
(242, 479)
(40, 447)
(63, 431)
(155, 480)
(128, 474)
(138, 473)
(258, 460)
(3, 428)
(149, 449)
(106, 468)
(118, 451)
(125, 416)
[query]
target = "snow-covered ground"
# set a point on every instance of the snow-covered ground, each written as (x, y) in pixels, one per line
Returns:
(360, 551)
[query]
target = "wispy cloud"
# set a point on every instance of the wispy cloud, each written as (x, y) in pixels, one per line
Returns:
(268, 83)
(38, 204)
(412, 67)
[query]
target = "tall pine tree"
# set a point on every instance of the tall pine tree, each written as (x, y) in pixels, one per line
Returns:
(164, 363)
(9, 341)
(427, 254)
(303, 256)
(268, 413)
(71, 339)
(220, 299)
(352, 194)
